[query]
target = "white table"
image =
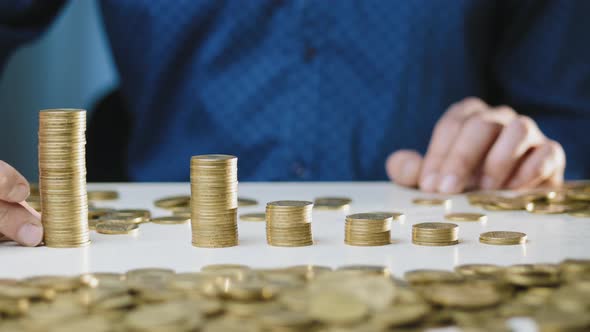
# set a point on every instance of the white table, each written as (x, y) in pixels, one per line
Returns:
(550, 238)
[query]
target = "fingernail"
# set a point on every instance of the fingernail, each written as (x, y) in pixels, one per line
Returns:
(487, 182)
(410, 169)
(29, 235)
(429, 182)
(19, 193)
(449, 184)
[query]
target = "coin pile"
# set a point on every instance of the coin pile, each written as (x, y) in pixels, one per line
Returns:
(288, 223)
(62, 177)
(368, 229)
(573, 198)
(233, 297)
(214, 200)
(435, 234)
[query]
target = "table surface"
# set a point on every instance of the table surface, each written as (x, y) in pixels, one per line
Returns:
(551, 238)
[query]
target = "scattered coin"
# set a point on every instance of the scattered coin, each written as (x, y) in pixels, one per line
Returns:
(431, 201)
(243, 202)
(331, 203)
(115, 228)
(502, 238)
(259, 216)
(461, 216)
(173, 202)
(170, 220)
(102, 195)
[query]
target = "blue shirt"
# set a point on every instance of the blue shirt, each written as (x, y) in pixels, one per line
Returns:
(325, 90)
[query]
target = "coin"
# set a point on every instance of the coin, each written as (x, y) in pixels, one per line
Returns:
(243, 201)
(258, 216)
(62, 177)
(431, 201)
(337, 308)
(170, 220)
(214, 200)
(331, 203)
(435, 234)
(113, 228)
(172, 202)
(102, 195)
(368, 229)
(288, 223)
(502, 238)
(462, 216)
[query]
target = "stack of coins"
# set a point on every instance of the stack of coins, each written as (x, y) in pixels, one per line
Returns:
(214, 201)
(288, 223)
(368, 229)
(435, 234)
(62, 177)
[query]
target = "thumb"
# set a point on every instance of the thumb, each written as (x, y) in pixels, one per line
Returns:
(17, 223)
(403, 167)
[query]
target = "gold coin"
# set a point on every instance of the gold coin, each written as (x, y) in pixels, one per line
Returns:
(170, 220)
(243, 201)
(260, 216)
(580, 213)
(502, 238)
(102, 195)
(115, 228)
(331, 203)
(461, 216)
(172, 202)
(431, 201)
(336, 307)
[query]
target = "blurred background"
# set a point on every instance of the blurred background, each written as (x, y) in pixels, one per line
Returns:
(50, 73)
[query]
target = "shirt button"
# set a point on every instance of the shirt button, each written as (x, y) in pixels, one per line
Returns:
(309, 54)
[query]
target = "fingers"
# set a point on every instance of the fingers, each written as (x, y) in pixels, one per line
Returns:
(13, 186)
(445, 134)
(544, 164)
(19, 224)
(403, 167)
(518, 137)
(473, 143)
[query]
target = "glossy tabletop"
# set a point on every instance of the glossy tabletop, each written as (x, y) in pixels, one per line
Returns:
(551, 238)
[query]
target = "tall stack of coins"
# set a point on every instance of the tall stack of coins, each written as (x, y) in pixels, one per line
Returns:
(288, 223)
(214, 200)
(368, 229)
(435, 234)
(62, 177)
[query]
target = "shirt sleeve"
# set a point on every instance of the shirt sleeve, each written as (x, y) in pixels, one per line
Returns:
(22, 21)
(542, 68)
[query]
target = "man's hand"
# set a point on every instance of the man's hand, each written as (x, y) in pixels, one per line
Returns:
(477, 146)
(17, 220)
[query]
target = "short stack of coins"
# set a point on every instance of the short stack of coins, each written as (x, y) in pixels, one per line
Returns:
(435, 234)
(288, 223)
(62, 177)
(214, 200)
(368, 229)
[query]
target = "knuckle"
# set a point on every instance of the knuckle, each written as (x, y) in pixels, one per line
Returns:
(476, 121)
(505, 108)
(522, 126)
